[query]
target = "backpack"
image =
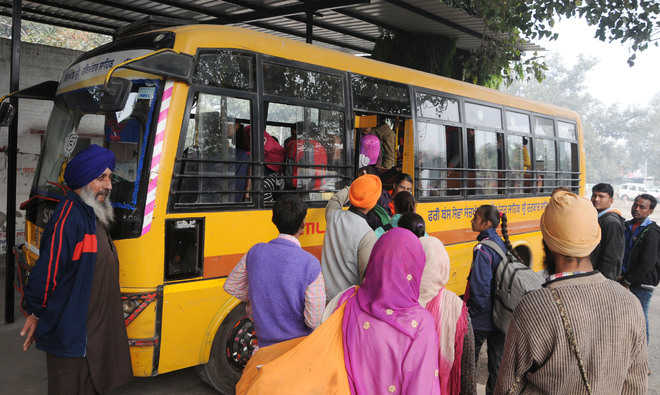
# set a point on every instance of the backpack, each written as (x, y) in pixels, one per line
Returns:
(513, 280)
(306, 152)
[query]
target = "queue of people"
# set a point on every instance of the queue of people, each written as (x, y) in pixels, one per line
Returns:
(374, 315)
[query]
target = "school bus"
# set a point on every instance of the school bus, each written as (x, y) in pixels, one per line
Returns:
(185, 108)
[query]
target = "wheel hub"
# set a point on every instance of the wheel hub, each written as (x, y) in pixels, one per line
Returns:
(241, 344)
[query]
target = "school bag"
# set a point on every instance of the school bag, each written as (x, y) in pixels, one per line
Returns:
(513, 280)
(306, 152)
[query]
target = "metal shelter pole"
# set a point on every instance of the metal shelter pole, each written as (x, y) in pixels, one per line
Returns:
(12, 152)
(310, 27)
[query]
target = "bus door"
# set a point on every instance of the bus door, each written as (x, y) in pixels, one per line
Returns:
(385, 142)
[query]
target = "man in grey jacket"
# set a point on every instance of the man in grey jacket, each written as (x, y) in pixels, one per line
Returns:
(607, 258)
(349, 239)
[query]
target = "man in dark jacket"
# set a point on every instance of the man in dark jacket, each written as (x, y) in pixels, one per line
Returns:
(607, 258)
(641, 260)
(72, 297)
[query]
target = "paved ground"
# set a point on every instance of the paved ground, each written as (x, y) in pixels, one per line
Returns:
(25, 373)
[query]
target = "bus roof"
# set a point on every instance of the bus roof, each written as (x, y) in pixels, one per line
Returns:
(192, 37)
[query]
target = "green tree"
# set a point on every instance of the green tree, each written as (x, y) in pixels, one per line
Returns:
(39, 33)
(509, 25)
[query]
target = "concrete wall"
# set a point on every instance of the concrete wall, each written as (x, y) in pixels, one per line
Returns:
(38, 63)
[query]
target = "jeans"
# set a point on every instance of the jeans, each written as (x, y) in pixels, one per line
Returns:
(644, 296)
(495, 344)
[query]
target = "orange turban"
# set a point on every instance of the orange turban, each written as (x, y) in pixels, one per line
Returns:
(365, 191)
(570, 225)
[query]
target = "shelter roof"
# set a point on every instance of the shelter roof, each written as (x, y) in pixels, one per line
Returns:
(348, 25)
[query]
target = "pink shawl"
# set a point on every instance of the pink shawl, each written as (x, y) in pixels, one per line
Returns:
(388, 337)
(449, 312)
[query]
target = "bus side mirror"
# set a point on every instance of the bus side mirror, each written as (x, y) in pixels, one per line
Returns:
(115, 94)
(7, 113)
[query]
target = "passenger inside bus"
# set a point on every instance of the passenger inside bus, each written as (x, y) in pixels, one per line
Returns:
(387, 157)
(313, 148)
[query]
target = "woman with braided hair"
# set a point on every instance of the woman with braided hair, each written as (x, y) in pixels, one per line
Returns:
(479, 293)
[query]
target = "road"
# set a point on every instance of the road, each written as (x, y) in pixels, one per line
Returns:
(25, 372)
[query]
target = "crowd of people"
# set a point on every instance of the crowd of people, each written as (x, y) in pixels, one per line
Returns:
(374, 316)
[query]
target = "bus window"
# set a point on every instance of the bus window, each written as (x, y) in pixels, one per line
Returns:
(312, 136)
(313, 150)
(380, 96)
(517, 122)
(544, 127)
(485, 155)
(518, 163)
(486, 116)
(225, 68)
(303, 84)
(565, 130)
(567, 162)
(213, 165)
(438, 157)
(437, 107)
(545, 165)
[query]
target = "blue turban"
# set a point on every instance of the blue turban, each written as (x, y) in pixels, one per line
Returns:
(87, 165)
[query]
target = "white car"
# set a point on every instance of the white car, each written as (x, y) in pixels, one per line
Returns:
(629, 191)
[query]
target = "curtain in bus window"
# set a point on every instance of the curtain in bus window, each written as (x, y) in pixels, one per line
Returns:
(545, 165)
(213, 166)
(485, 155)
(313, 143)
(565, 164)
(439, 151)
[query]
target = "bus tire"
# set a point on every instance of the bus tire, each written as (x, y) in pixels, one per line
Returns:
(232, 347)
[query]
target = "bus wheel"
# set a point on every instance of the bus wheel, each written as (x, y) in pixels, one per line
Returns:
(232, 348)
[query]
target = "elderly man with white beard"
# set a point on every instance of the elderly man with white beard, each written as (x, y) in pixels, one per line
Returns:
(72, 297)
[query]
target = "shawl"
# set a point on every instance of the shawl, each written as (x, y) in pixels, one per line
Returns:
(388, 337)
(449, 312)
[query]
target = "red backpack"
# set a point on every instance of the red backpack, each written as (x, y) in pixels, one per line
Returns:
(306, 152)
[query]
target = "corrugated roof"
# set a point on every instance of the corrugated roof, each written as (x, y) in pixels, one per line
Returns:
(348, 25)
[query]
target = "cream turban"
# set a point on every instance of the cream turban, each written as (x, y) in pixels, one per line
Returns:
(570, 225)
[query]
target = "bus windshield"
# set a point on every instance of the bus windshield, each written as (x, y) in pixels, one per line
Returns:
(76, 122)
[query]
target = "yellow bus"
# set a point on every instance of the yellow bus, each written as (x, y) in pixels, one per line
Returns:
(193, 188)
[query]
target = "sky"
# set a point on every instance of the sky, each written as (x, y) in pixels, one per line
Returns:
(611, 80)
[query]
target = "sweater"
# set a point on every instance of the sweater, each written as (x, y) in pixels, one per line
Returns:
(607, 258)
(278, 275)
(609, 327)
(60, 283)
(347, 244)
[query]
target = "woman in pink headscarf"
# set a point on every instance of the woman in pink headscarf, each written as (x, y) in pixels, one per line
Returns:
(389, 339)
(378, 341)
(456, 362)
